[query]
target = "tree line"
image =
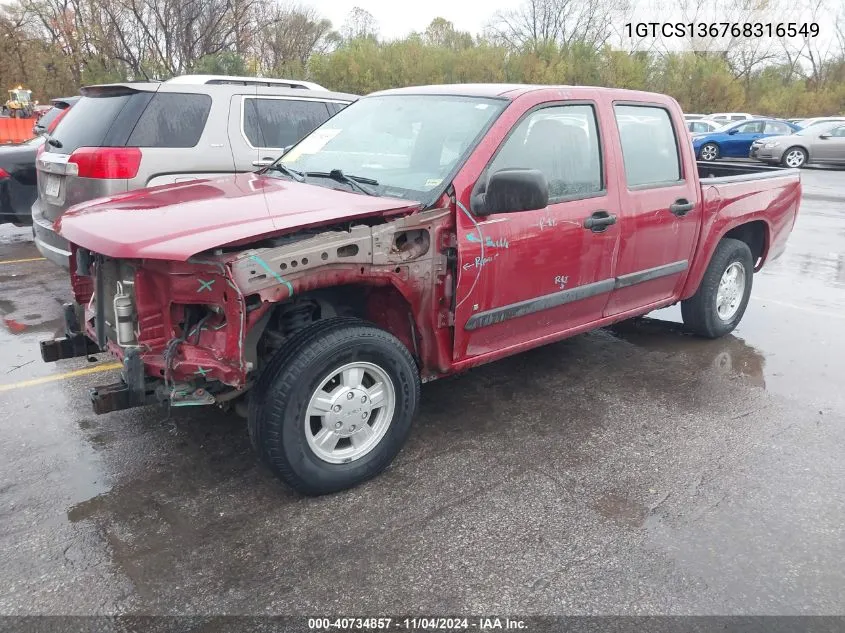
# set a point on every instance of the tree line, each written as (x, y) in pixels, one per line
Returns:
(55, 46)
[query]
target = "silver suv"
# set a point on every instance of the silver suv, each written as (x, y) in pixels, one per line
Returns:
(125, 136)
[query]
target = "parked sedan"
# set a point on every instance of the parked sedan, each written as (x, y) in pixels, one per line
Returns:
(823, 143)
(734, 140)
(17, 181)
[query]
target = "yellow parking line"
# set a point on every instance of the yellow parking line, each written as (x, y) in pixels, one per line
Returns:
(23, 261)
(70, 374)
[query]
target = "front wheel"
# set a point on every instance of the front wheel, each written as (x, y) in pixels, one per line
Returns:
(709, 151)
(335, 406)
(720, 301)
(794, 157)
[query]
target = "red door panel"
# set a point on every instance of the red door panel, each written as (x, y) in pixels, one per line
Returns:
(540, 272)
(660, 209)
(527, 275)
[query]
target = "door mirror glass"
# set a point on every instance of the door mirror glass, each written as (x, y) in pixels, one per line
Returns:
(510, 190)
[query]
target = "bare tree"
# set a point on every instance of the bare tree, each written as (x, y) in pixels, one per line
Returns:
(360, 23)
(291, 35)
(562, 22)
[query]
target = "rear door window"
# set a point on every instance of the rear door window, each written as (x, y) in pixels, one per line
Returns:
(171, 119)
(773, 127)
(88, 122)
(755, 127)
(278, 123)
(335, 107)
(649, 146)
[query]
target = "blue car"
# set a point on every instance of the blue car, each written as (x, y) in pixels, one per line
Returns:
(734, 140)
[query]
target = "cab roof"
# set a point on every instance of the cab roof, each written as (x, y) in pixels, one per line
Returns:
(509, 91)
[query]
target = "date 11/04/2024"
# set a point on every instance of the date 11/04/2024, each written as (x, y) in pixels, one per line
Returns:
(417, 624)
(721, 29)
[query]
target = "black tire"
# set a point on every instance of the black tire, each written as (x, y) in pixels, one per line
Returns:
(714, 156)
(794, 149)
(700, 311)
(279, 400)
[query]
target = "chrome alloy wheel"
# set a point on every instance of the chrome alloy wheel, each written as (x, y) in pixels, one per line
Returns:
(794, 158)
(709, 152)
(350, 412)
(730, 292)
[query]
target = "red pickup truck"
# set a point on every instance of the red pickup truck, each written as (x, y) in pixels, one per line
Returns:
(416, 234)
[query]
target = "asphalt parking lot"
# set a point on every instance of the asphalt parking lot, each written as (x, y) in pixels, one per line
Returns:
(640, 471)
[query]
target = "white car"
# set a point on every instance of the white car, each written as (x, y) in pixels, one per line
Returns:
(694, 117)
(704, 126)
(726, 117)
(819, 120)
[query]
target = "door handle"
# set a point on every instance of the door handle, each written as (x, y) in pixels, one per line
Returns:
(599, 221)
(681, 207)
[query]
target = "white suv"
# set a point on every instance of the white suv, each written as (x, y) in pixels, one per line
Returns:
(125, 136)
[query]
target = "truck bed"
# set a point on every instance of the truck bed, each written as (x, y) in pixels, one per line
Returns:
(714, 172)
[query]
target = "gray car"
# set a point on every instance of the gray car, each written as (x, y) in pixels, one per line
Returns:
(125, 136)
(822, 143)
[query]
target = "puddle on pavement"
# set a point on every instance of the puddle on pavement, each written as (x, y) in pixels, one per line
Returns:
(729, 355)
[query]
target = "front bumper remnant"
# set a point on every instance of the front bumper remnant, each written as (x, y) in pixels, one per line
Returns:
(70, 346)
(73, 344)
(132, 390)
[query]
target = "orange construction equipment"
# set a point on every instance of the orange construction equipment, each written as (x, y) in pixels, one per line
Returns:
(16, 130)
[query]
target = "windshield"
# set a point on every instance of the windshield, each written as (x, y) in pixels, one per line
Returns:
(409, 144)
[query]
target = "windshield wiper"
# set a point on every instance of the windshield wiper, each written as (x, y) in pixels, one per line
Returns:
(54, 142)
(298, 176)
(352, 181)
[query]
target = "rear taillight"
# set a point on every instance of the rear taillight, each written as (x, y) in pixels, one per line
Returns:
(3, 174)
(104, 162)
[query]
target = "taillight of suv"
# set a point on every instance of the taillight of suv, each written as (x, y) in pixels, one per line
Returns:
(104, 162)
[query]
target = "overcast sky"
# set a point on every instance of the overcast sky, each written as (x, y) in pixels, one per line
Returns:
(397, 18)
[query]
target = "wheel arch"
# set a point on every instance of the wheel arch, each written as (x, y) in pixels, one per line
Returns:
(756, 233)
(382, 304)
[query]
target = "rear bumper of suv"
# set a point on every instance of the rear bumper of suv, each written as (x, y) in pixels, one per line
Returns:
(49, 243)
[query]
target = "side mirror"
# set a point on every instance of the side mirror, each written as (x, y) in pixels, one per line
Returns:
(263, 162)
(733, 131)
(510, 190)
(824, 136)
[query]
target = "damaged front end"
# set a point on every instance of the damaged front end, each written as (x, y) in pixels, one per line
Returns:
(198, 332)
(178, 328)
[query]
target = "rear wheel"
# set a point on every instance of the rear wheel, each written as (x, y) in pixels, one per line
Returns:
(794, 157)
(720, 301)
(335, 406)
(709, 151)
